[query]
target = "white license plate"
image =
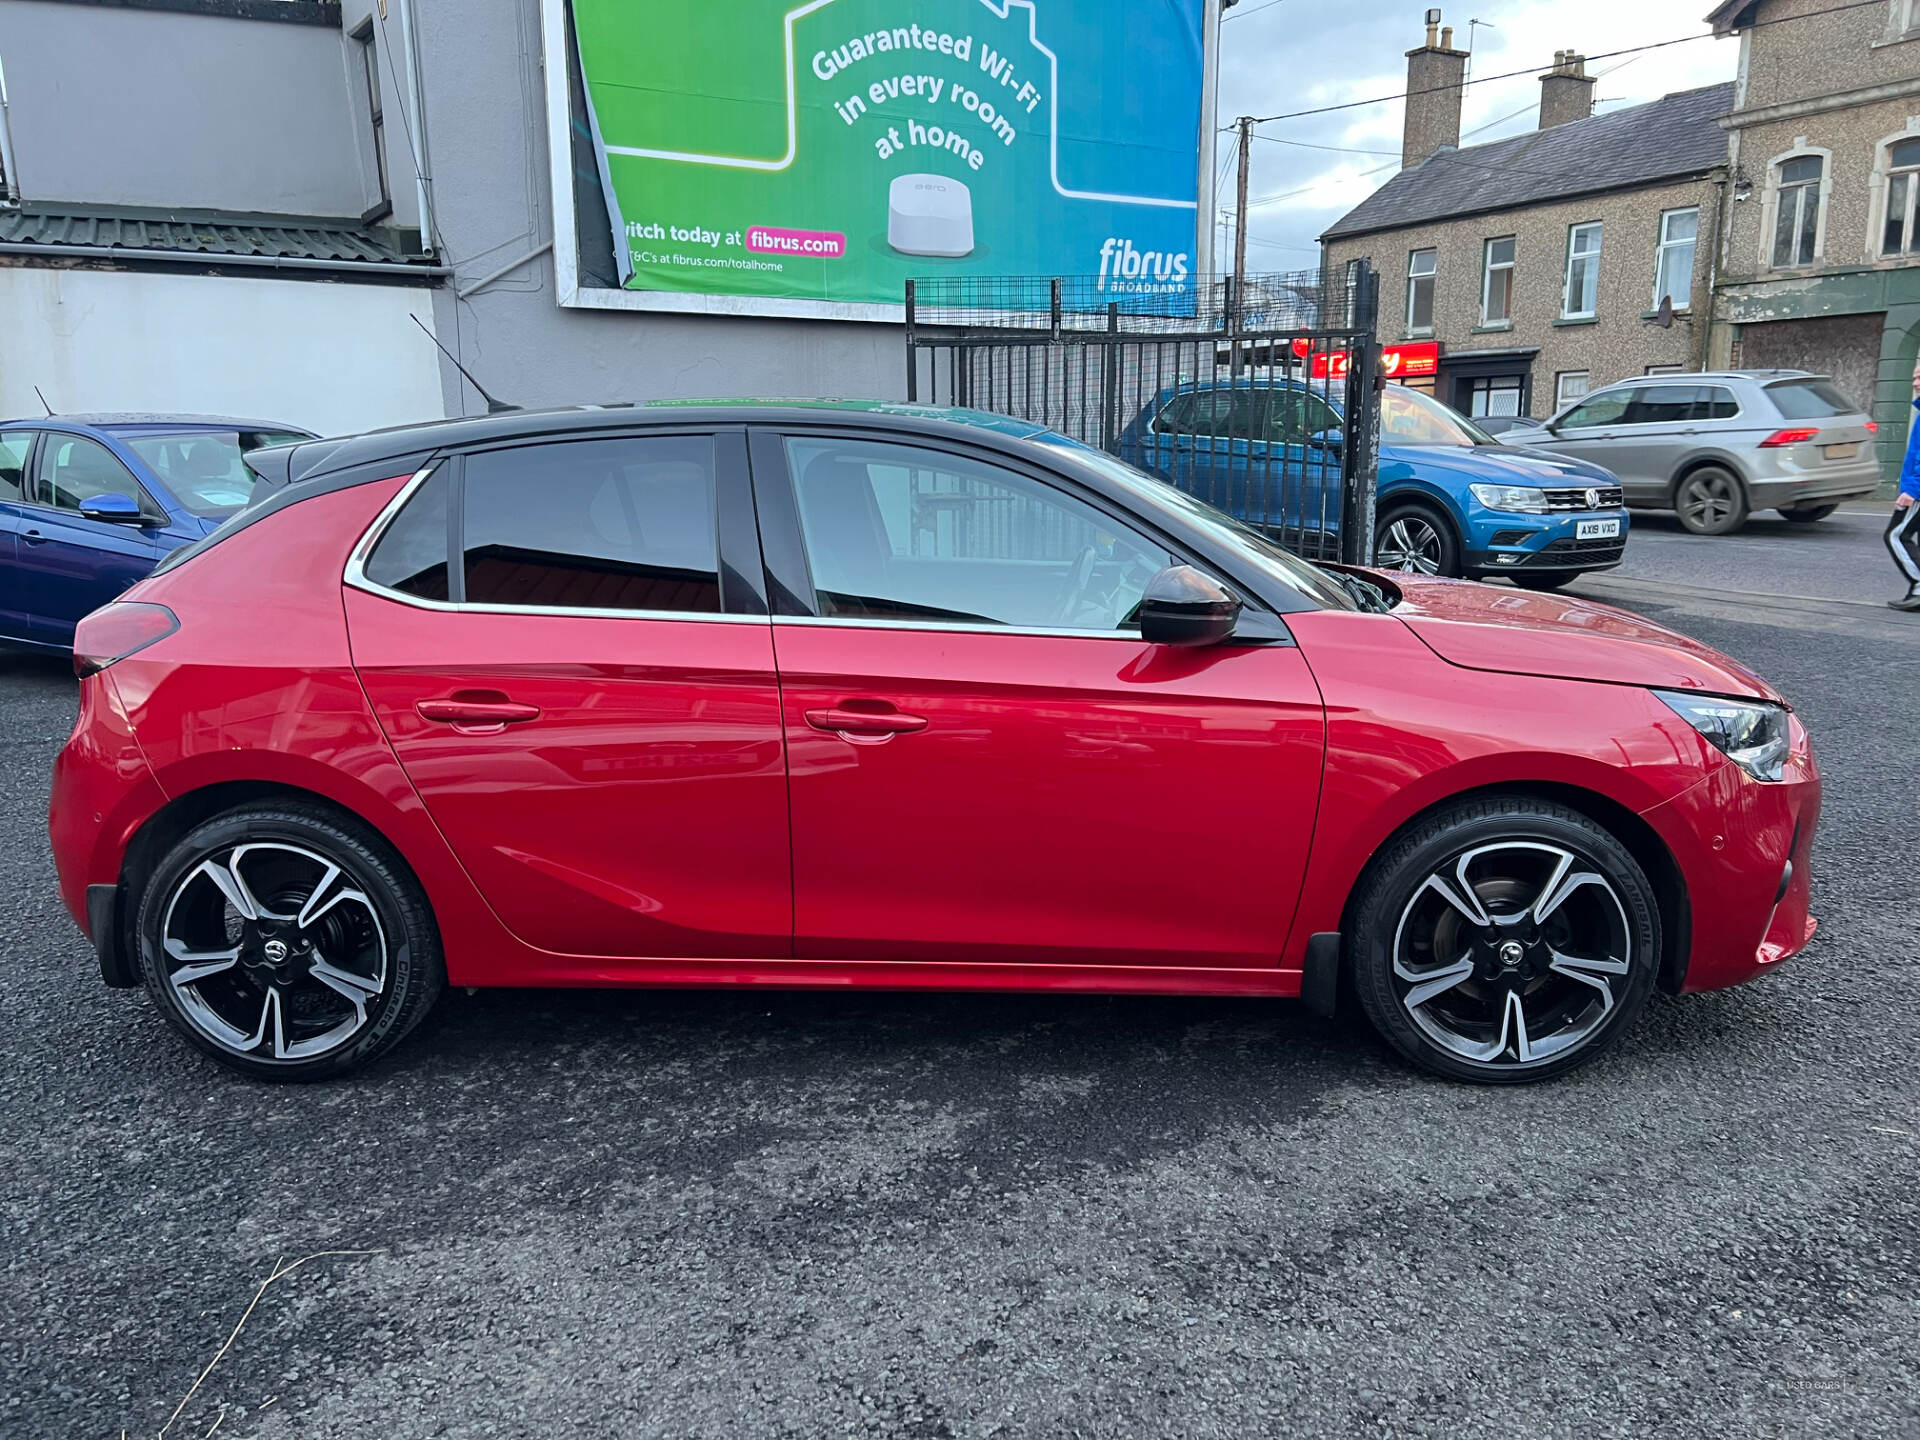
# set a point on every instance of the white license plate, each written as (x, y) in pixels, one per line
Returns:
(1596, 529)
(1842, 452)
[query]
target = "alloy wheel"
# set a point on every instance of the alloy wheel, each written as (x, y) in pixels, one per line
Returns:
(1410, 544)
(273, 952)
(1509, 954)
(1709, 502)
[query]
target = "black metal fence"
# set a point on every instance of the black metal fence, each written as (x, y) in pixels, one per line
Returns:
(1257, 398)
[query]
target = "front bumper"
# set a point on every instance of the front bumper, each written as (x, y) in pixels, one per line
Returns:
(1745, 854)
(1544, 542)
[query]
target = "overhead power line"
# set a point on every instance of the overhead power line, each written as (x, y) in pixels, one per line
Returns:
(1538, 69)
(1236, 13)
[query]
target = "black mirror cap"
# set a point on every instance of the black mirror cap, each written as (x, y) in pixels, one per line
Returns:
(1182, 606)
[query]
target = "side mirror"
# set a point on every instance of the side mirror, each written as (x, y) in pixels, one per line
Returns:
(1183, 607)
(115, 509)
(1328, 439)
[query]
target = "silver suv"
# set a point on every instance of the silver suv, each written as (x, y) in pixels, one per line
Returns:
(1715, 447)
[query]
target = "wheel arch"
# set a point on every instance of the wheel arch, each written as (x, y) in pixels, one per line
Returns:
(1709, 460)
(1641, 840)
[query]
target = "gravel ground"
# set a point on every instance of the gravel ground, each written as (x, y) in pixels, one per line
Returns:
(690, 1214)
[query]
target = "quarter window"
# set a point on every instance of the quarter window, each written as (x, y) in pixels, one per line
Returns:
(1898, 236)
(896, 532)
(1580, 297)
(593, 525)
(14, 448)
(1796, 216)
(73, 469)
(411, 556)
(1673, 261)
(1496, 287)
(1421, 268)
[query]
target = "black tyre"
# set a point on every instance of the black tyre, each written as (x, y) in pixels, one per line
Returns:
(1711, 501)
(1809, 514)
(1503, 941)
(287, 944)
(1416, 539)
(1543, 579)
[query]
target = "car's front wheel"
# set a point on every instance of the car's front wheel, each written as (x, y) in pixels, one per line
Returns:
(1504, 940)
(1416, 540)
(1710, 501)
(287, 945)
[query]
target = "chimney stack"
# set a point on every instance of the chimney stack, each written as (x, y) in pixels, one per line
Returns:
(1566, 91)
(1435, 73)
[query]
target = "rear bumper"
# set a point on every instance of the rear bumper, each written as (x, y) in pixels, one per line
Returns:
(1745, 852)
(1786, 477)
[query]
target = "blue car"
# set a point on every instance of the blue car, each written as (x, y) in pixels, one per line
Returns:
(90, 503)
(1451, 500)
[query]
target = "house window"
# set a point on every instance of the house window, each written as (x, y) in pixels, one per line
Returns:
(369, 72)
(1496, 287)
(1493, 395)
(1421, 266)
(1581, 294)
(1666, 370)
(1568, 386)
(1673, 260)
(1897, 235)
(1796, 215)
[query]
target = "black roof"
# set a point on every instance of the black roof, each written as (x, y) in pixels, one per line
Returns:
(1670, 138)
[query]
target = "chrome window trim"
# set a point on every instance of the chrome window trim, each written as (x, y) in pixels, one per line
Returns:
(957, 627)
(355, 577)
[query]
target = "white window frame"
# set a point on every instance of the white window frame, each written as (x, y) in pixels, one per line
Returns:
(1567, 312)
(1903, 22)
(1487, 267)
(1665, 370)
(1561, 400)
(1881, 185)
(1662, 245)
(1770, 209)
(1432, 275)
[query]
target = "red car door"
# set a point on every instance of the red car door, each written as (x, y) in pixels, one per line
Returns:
(586, 700)
(986, 762)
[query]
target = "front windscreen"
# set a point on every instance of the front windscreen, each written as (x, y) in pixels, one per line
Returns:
(1408, 417)
(203, 469)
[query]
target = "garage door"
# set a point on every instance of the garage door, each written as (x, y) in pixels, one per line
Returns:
(1847, 347)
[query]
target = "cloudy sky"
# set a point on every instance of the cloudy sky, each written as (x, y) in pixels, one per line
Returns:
(1286, 55)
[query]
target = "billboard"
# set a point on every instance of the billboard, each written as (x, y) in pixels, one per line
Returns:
(807, 158)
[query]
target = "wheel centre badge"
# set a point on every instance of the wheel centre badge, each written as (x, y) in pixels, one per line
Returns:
(275, 951)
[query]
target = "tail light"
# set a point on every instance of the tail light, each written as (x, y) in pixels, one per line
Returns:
(1872, 426)
(116, 631)
(1788, 437)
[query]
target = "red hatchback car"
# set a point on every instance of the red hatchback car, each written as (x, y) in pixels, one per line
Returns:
(807, 695)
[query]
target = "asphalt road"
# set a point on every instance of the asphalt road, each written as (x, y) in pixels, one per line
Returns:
(1840, 558)
(691, 1214)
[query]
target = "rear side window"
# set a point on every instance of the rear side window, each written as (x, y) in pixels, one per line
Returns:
(1809, 399)
(14, 445)
(594, 525)
(411, 556)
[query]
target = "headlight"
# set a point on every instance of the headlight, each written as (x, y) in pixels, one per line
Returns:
(1753, 733)
(1511, 497)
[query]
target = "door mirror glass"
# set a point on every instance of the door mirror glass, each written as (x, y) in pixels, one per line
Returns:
(114, 508)
(1328, 439)
(1182, 606)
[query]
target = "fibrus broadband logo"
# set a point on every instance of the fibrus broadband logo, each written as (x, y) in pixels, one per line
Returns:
(1141, 272)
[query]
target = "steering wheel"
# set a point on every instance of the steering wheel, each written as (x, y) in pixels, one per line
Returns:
(1078, 579)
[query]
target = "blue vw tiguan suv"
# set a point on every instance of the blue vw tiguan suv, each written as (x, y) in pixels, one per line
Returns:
(1451, 499)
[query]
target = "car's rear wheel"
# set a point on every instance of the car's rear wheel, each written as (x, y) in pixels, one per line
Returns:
(1414, 539)
(1543, 579)
(1808, 514)
(287, 945)
(1711, 501)
(1504, 940)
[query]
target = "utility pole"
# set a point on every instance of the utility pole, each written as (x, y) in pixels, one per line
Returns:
(1245, 125)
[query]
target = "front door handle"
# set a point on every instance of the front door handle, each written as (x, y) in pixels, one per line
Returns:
(490, 713)
(33, 537)
(841, 720)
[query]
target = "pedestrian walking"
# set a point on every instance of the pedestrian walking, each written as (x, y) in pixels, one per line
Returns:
(1903, 526)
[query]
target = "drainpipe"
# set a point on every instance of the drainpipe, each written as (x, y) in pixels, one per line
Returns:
(416, 95)
(11, 195)
(1722, 183)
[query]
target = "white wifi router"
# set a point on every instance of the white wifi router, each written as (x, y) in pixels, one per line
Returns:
(929, 215)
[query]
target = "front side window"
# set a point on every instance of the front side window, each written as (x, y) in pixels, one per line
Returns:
(1295, 417)
(1673, 261)
(623, 524)
(896, 532)
(205, 471)
(74, 469)
(1496, 289)
(1609, 407)
(15, 446)
(1421, 268)
(1665, 404)
(1569, 386)
(1581, 296)
(1796, 216)
(1898, 236)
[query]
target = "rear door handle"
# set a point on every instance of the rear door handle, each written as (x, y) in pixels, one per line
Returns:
(842, 721)
(477, 712)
